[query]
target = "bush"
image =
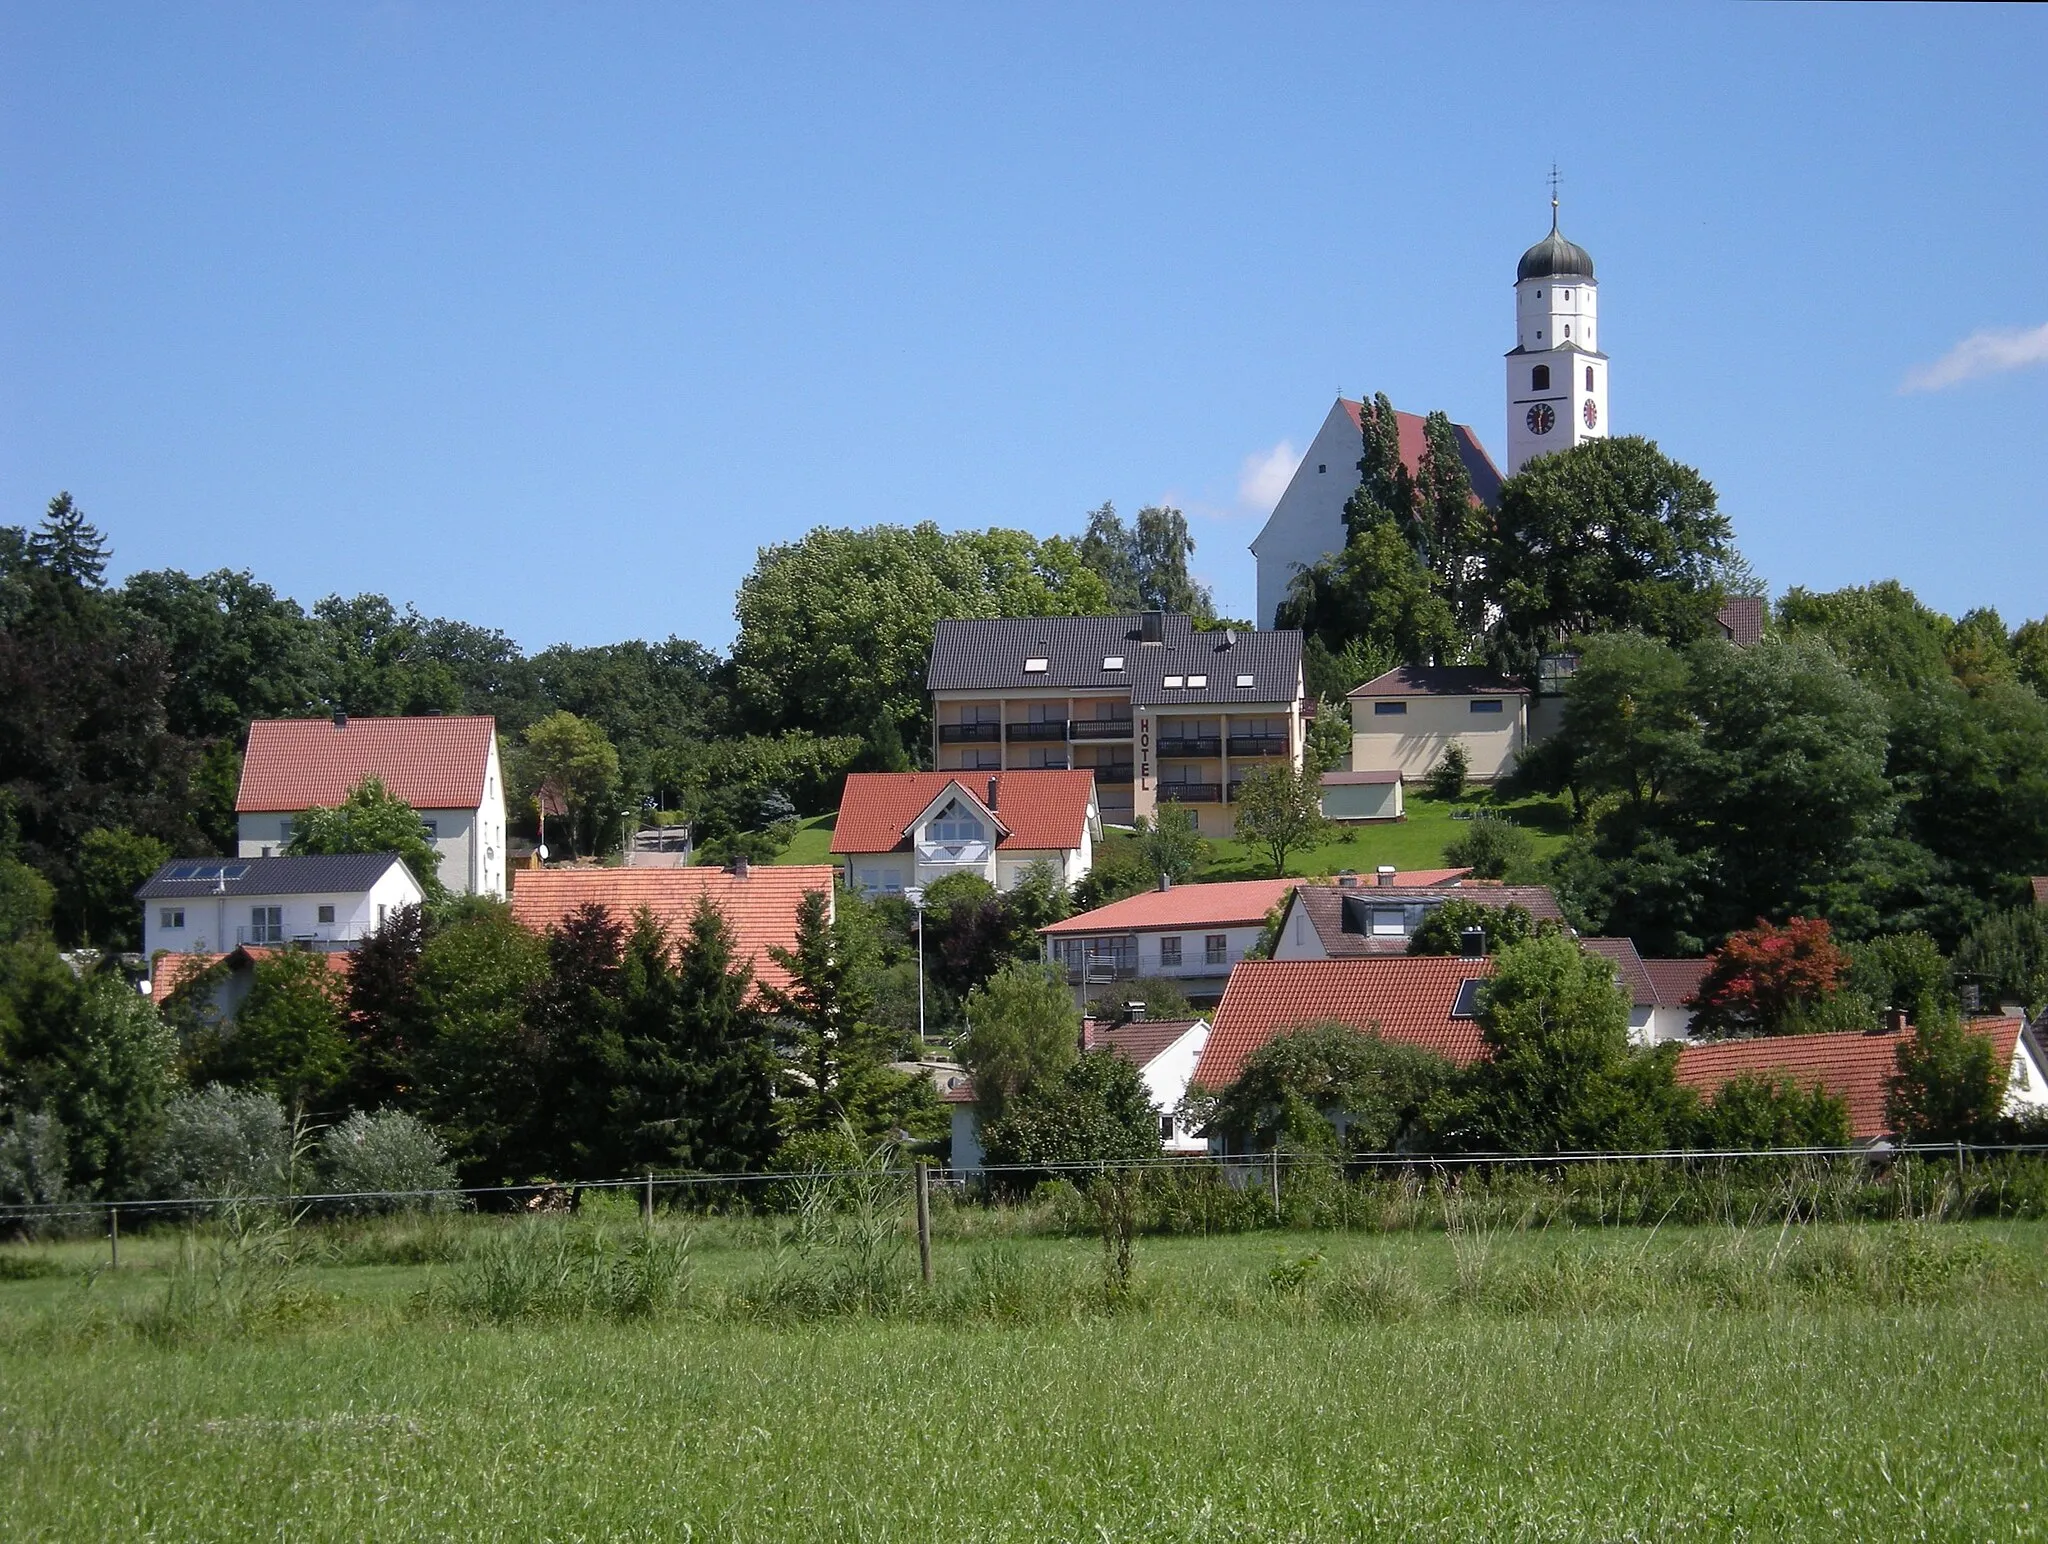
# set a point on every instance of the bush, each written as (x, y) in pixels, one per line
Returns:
(1490, 847)
(1446, 780)
(1443, 928)
(33, 1160)
(220, 1142)
(388, 1151)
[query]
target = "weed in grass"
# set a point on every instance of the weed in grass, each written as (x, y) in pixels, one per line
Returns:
(544, 1268)
(243, 1274)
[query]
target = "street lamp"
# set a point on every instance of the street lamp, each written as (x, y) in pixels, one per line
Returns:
(915, 895)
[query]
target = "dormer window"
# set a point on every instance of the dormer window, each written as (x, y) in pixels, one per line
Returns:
(1036, 665)
(956, 824)
(1112, 662)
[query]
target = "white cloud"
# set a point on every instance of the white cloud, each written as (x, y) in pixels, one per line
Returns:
(1265, 475)
(1981, 353)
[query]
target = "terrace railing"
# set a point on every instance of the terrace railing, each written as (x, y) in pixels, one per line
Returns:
(1258, 745)
(1098, 729)
(969, 734)
(1191, 745)
(1051, 729)
(1192, 793)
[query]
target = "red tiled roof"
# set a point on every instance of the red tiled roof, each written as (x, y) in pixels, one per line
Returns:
(1742, 619)
(761, 909)
(1240, 902)
(1408, 997)
(1040, 811)
(1324, 904)
(430, 763)
(172, 971)
(1675, 980)
(1853, 1067)
(1141, 1042)
(1629, 967)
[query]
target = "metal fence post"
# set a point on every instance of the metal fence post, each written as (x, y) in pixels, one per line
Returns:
(647, 1201)
(114, 1239)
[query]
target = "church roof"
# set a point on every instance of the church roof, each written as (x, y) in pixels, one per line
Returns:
(1554, 255)
(1479, 468)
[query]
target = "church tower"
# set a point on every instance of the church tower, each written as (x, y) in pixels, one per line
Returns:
(1557, 376)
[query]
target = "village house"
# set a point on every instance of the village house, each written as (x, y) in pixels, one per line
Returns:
(1155, 709)
(901, 830)
(228, 987)
(1360, 916)
(445, 768)
(1164, 1051)
(1661, 991)
(214, 905)
(759, 903)
(1404, 721)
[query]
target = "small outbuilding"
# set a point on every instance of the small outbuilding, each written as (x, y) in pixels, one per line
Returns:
(1360, 796)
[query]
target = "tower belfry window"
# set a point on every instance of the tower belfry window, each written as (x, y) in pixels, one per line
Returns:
(1539, 378)
(1589, 377)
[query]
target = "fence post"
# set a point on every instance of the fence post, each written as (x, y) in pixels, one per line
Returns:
(114, 1238)
(1276, 1181)
(924, 1219)
(647, 1201)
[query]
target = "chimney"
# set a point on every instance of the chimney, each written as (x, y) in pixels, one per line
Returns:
(1165, 881)
(340, 719)
(1134, 1012)
(1088, 1028)
(1472, 943)
(741, 869)
(992, 796)
(1895, 1021)
(1347, 879)
(1384, 875)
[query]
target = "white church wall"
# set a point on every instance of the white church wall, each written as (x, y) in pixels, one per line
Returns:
(1308, 522)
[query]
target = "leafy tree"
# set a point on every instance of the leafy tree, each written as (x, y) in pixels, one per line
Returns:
(576, 1018)
(111, 867)
(1386, 490)
(383, 1020)
(1328, 740)
(1450, 525)
(2030, 654)
(1096, 1111)
(1948, 1087)
(1906, 971)
(1753, 1113)
(1161, 548)
(1377, 597)
(1162, 1000)
(1760, 976)
(1332, 674)
(1106, 548)
(2007, 954)
(287, 1036)
(371, 819)
(1446, 780)
(1879, 631)
(1980, 651)
(1297, 1086)
(1280, 808)
(1492, 847)
(573, 758)
(1172, 843)
(219, 1142)
(1121, 869)
(242, 651)
(380, 663)
(1559, 1074)
(26, 900)
(1442, 930)
(1023, 1030)
(390, 1151)
(1627, 725)
(1608, 536)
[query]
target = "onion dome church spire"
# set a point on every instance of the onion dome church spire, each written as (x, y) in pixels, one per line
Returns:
(1556, 376)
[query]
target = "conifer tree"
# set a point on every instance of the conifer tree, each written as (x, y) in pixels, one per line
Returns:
(727, 1121)
(576, 1019)
(69, 545)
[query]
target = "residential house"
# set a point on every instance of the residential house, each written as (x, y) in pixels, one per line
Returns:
(1404, 721)
(1354, 917)
(1190, 935)
(897, 830)
(230, 990)
(213, 905)
(1164, 1051)
(759, 903)
(1355, 797)
(1156, 710)
(1855, 1067)
(1661, 990)
(445, 768)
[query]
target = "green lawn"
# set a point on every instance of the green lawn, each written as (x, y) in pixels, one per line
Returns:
(1242, 1395)
(1414, 843)
(812, 842)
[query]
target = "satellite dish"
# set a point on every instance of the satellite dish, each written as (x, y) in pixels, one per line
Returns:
(543, 851)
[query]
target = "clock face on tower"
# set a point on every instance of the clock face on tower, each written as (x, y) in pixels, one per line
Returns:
(1591, 414)
(1542, 418)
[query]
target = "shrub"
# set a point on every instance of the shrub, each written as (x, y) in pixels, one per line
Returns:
(1762, 975)
(388, 1151)
(220, 1142)
(1446, 780)
(33, 1159)
(1443, 928)
(1490, 847)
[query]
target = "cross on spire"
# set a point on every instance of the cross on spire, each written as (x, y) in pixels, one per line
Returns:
(1554, 181)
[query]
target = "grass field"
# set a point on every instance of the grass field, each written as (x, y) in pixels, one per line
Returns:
(1816, 1382)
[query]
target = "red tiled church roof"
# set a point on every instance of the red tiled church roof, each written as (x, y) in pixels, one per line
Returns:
(1413, 431)
(430, 763)
(761, 908)
(1040, 811)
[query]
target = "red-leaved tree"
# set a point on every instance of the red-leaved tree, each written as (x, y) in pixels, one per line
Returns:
(1761, 974)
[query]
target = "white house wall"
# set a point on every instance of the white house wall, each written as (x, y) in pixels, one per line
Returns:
(1412, 742)
(1166, 1080)
(216, 924)
(2026, 1087)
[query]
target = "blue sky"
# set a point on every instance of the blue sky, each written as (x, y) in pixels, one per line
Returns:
(548, 317)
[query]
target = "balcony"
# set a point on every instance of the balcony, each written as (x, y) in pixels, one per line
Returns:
(1191, 746)
(1055, 729)
(1258, 745)
(970, 734)
(1192, 793)
(1096, 961)
(1119, 775)
(1098, 729)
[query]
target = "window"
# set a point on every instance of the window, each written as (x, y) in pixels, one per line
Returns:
(1486, 705)
(1112, 662)
(326, 913)
(1589, 377)
(1539, 332)
(284, 830)
(1539, 378)
(1169, 952)
(1198, 680)
(1166, 1128)
(266, 924)
(1172, 680)
(1244, 680)
(981, 761)
(1567, 294)
(1384, 709)
(1389, 922)
(431, 830)
(956, 825)
(1467, 1004)
(1216, 949)
(1322, 466)
(1567, 329)
(170, 916)
(1036, 665)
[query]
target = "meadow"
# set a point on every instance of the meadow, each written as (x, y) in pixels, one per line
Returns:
(789, 1378)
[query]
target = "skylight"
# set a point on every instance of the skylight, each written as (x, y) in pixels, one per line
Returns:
(1198, 680)
(1172, 680)
(1112, 662)
(1244, 680)
(1467, 1005)
(1035, 665)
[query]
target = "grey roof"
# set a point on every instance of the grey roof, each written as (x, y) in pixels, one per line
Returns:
(1325, 906)
(1553, 255)
(1439, 681)
(987, 654)
(190, 878)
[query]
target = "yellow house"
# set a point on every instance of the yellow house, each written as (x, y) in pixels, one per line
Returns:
(1404, 720)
